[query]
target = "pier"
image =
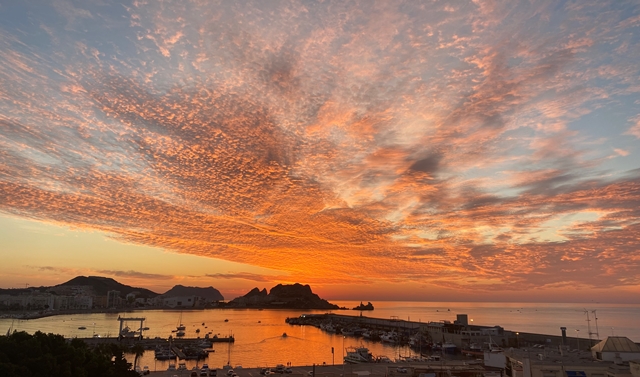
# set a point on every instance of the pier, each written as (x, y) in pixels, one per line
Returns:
(458, 332)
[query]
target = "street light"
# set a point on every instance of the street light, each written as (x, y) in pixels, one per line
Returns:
(343, 362)
(517, 340)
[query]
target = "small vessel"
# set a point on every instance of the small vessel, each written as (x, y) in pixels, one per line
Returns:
(390, 337)
(82, 328)
(180, 326)
(180, 333)
(474, 349)
(127, 333)
(358, 355)
(226, 320)
(284, 335)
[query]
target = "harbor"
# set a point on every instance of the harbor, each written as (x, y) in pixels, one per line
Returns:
(258, 334)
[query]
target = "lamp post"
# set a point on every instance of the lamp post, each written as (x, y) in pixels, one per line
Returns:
(517, 340)
(343, 362)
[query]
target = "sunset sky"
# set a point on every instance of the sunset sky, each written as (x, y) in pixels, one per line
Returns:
(419, 150)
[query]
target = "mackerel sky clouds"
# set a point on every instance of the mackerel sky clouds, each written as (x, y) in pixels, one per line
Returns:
(401, 150)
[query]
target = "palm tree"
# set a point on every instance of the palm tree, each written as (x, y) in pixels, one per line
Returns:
(138, 351)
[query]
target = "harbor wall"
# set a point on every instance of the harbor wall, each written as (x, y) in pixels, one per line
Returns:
(463, 334)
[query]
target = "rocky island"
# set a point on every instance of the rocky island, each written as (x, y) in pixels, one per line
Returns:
(369, 306)
(295, 296)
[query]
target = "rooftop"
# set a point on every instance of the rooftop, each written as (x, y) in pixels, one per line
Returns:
(616, 344)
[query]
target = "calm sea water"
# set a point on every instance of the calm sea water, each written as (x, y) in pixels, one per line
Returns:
(259, 340)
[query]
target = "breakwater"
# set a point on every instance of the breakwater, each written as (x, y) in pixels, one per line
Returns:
(458, 332)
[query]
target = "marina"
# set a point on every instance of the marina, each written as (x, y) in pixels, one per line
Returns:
(259, 341)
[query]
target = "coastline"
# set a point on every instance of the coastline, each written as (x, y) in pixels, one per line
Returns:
(22, 315)
(40, 314)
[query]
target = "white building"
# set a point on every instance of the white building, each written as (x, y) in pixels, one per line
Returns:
(614, 348)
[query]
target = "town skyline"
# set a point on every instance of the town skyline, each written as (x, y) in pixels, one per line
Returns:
(442, 151)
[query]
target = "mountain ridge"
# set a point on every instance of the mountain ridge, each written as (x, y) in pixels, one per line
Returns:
(204, 292)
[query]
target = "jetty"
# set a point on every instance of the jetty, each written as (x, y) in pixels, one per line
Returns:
(459, 332)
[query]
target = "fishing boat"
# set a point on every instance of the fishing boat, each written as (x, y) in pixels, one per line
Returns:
(358, 355)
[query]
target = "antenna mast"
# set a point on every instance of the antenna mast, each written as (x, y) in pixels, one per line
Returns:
(588, 326)
(596, 318)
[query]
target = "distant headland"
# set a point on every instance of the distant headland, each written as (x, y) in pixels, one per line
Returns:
(102, 294)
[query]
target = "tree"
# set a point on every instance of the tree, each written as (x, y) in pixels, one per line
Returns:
(138, 351)
(25, 355)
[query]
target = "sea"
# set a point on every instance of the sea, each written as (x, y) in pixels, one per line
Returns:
(259, 340)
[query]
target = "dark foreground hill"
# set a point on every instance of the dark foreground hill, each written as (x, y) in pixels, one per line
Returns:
(296, 296)
(207, 293)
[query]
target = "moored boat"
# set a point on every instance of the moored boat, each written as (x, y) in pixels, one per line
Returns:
(358, 355)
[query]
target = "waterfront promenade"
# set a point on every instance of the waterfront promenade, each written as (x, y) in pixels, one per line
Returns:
(352, 370)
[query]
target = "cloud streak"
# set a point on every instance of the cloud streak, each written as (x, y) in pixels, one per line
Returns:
(335, 142)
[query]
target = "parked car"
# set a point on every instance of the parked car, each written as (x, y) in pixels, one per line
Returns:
(145, 370)
(194, 373)
(288, 370)
(230, 372)
(401, 370)
(213, 372)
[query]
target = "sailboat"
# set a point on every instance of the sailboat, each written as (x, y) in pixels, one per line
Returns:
(228, 366)
(180, 328)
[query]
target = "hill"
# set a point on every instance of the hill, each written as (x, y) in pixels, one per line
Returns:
(101, 285)
(296, 296)
(207, 293)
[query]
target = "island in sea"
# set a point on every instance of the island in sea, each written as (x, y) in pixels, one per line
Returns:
(369, 306)
(294, 296)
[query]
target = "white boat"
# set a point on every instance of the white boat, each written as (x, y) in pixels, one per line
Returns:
(390, 337)
(180, 326)
(128, 333)
(358, 355)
